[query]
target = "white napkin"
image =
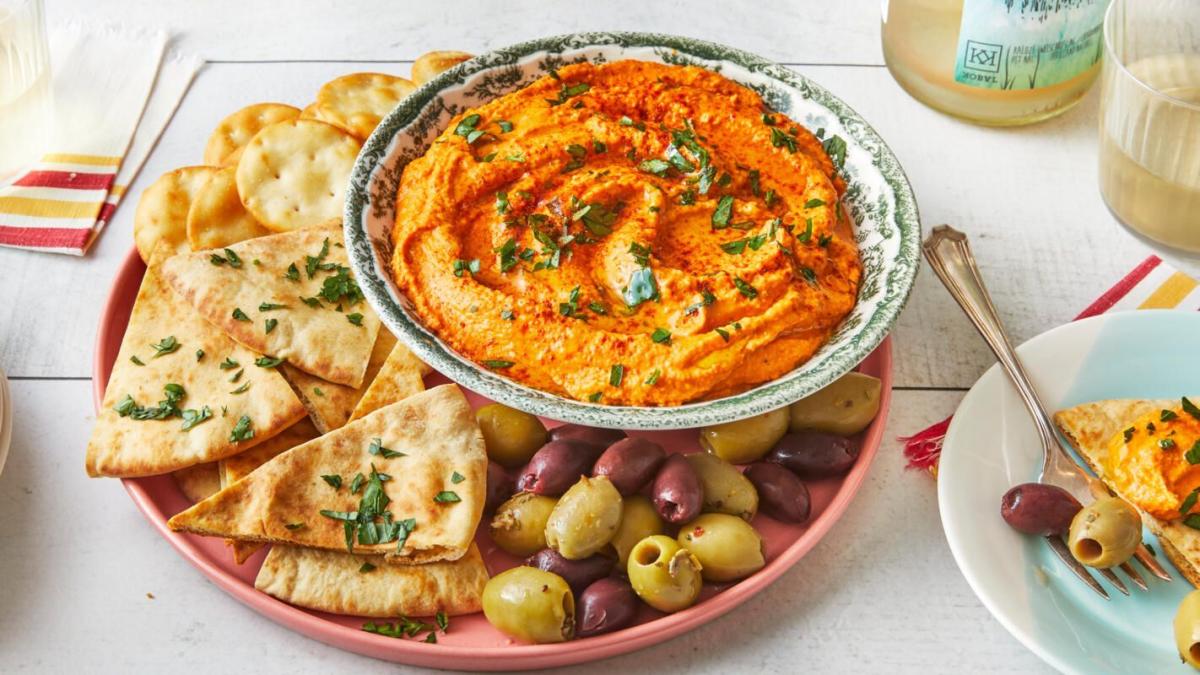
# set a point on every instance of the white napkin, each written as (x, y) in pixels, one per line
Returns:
(114, 93)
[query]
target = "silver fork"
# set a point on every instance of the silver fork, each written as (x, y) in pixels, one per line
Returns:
(950, 256)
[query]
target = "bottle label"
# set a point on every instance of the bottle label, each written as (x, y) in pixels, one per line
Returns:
(1026, 44)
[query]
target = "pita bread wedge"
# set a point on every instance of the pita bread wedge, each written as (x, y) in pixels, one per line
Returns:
(400, 377)
(237, 467)
(168, 343)
(329, 405)
(423, 466)
(1090, 427)
(331, 581)
(280, 295)
(199, 482)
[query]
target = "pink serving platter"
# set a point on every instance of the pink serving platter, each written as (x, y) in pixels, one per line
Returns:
(471, 643)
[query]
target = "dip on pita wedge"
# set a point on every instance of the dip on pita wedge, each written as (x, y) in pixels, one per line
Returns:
(332, 581)
(179, 392)
(1098, 430)
(401, 376)
(289, 296)
(406, 482)
(329, 405)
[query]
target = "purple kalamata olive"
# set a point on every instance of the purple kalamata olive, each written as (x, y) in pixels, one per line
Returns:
(606, 605)
(677, 492)
(578, 574)
(630, 463)
(500, 487)
(811, 454)
(588, 435)
(1037, 508)
(781, 494)
(557, 466)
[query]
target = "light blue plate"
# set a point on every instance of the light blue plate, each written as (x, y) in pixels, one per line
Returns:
(992, 445)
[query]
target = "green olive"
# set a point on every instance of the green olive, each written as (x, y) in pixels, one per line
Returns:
(511, 436)
(639, 520)
(664, 574)
(519, 525)
(843, 408)
(728, 547)
(726, 490)
(1187, 629)
(747, 440)
(1105, 533)
(530, 604)
(585, 518)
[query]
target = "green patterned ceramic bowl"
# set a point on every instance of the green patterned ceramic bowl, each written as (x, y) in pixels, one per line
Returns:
(879, 198)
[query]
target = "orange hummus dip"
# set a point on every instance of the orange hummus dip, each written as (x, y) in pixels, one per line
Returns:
(630, 234)
(1155, 462)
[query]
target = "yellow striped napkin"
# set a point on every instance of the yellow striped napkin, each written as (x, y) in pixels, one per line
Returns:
(1153, 284)
(106, 120)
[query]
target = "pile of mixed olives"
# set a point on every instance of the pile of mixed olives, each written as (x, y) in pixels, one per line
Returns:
(603, 520)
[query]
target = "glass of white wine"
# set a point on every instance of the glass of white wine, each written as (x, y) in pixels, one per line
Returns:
(1150, 124)
(26, 97)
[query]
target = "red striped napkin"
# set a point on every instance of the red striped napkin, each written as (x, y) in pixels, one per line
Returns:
(1153, 284)
(113, 94)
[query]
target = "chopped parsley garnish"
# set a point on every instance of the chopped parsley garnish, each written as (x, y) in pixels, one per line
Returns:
(242, 389)
(404, 628)
(199, 354)
(312, 263)
(230, 257)
(661, 335)
(269, 325)
(376, 448)
(596, 217)
(311, 302)
(167, 345)
(355, 318)
(824, 240)
(720, 215)
(658, 167)
(502, 202)
(267, 361)
(706, 299)
(625, 121)
(568, 91)
(1166, 415)
(237, 376)
(835, 147)
(505, 126)
(357, 483)
(722, 332)
(366, 567)
(653, 379)
(814, 203)
(1193, 455)
(1129, 434)
(193, 417)
(293, 273)
(334, 480)
(442, 621)
(735, 247)
(239, 315)
(371, 524)
(447, 497)
(173, 395)
(498, 364)
(578, 154)
(1193, 521)
(616, 375)
(687, 198)
(745, 288)
(268, 306)
(599, 147)
(768, 120)
(461, 266)
(1190, 408)
(1189, 501)
(228, 364)
(779, 139)
(1166, 443)
(136, 361)
(570, 308)
(642, 287)
(242, 431)
(341, 286)
(294, 526)
(318, 392)
(595, 396)
(457, 478)
(507, 314)
(467, 128)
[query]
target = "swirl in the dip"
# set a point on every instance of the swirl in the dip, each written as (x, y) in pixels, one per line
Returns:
(628, 233)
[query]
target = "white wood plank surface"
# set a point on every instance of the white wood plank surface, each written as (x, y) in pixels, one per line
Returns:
(880, 594)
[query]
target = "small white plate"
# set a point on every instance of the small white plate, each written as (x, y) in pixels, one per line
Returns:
(991, 446)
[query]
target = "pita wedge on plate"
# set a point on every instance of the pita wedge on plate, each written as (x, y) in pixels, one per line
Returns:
(401, 376)
(423, 469)
(280, 295)
(176, 346)
(331, 581)
(1089, 428)
(201, 481)
(329, 405)
(232, 469)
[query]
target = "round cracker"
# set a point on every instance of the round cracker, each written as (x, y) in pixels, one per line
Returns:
(430, 64)
(310, 112)
(217, 218)
(225, 145)
(357, 102)
(162, 211)
(294, 174)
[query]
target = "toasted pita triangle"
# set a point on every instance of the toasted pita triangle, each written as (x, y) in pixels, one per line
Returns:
(400, 377)
(316, 339)
(200, 482)
(125, 447)
(332, 581)
(437, 434)
(329, 405)
(1090, 427)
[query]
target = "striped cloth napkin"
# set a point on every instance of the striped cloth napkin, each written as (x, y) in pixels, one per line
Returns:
(1153, 284)
(115, 89)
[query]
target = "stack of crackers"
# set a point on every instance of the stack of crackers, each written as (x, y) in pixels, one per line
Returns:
(255, 372)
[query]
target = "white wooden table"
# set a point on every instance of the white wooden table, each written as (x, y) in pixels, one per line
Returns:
(86, 585)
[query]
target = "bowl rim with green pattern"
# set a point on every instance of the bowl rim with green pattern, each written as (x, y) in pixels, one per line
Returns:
(880, 199)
